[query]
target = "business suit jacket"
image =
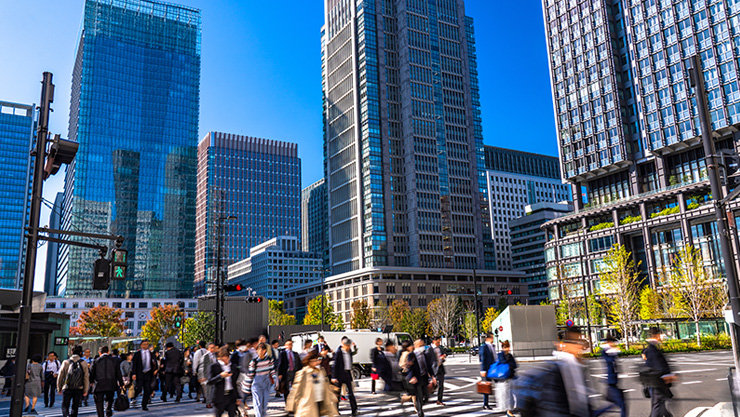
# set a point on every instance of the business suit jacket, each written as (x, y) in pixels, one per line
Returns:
(339, 372)
(219, 384)
(416, 371)
(612, 373)
(173, 362)
(487, 357)
(285, 363)
(655, 359)
(437, 364)
(106, 374)
(137, 367)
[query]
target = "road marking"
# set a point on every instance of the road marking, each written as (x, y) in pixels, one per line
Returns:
(629, 390)
(695, 370)
(692, 382)
(721, 379)
(594, 395)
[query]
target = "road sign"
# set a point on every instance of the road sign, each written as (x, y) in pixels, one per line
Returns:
(569, 323)
(501, 328)
(61, 341)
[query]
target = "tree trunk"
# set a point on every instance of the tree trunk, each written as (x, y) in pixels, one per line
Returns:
(698, 336)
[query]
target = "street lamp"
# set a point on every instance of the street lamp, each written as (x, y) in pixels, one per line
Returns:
(324, 270)
(219, 277)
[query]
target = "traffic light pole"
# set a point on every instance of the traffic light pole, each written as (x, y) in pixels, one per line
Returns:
(477, 310)
(219, 285)
(720, 213)
(26, 309)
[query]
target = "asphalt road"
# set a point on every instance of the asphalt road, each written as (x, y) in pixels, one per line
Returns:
(703, 382)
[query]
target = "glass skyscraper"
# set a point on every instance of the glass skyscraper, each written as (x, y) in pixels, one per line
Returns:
(403, 144)
(134, 111)
(629, 132)
(314, 217)
(17, 132)
(256, 180)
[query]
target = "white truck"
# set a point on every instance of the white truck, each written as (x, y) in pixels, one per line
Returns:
(364, 340)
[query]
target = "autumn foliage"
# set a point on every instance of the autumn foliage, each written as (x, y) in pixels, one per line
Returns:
(100, 321)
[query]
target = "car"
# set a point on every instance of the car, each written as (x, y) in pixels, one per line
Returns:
(474, 350)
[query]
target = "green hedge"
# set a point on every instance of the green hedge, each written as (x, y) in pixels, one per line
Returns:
(666, 211)
(601, 226)
(630, 219)
(719, 342)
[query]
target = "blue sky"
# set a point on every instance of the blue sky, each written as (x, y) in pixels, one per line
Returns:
(261, 70)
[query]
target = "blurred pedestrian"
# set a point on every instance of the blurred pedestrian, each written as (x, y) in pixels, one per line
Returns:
(51, 368)
(106, 374)
(487, 355)
(125, 367)
(388, 368)
(143, 373)
(307, 347)
(8, 372)
(342, 372)
(610, 352)
(87, 357)
(260, 378)
(311, 395)
(173, 371)
(420, 375)
(375, 353)
(189, 377)
(198, 373)
(660, 388)
(504, 394)
(223, 377)
(290, 363)
(34, 382)
(404, 364)
(326, 356)
(73, 382)
(439, 356)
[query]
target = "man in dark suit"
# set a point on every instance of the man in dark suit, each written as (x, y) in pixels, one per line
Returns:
(438, 356)
(173, 370)
(106, 375)
(655, 360)
(341, 373)
(421, 374)
(290, 363)
(487, 355)
(610, 351)
(223, 377)
(143, 370)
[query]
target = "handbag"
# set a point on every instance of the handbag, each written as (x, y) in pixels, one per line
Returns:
(374, 376)
(484, 387)
(121, 403)
(499, 370)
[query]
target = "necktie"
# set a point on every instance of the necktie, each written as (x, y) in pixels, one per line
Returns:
(290, 360)
(422, 364)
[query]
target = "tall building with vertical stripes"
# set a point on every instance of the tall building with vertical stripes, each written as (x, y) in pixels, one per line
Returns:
(403, 145)
(258, 181)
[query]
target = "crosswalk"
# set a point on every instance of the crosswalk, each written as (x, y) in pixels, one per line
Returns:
(458, 407)
(90, 409)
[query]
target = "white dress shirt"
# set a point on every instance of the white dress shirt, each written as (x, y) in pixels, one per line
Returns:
(146, 361)
(226, 367)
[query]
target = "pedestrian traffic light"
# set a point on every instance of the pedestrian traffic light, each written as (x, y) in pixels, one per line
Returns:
(254, 299)
(118, 263)
(233, 287)
(178, 321)
(101, 274)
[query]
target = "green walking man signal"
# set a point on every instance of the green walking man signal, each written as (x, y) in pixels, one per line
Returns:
(118, 263)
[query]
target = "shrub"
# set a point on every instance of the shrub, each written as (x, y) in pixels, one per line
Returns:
(666, 211)
(692, 205)
(630, 219)
(601, 226)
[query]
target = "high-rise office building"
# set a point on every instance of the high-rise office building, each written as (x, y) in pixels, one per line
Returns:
(258, 181)
(51, 284)
(516, 179)
(403, 145)
(528, 245)
(629, 133)
(275, 266)
(314, 216)
(134, 112)
(17, 132)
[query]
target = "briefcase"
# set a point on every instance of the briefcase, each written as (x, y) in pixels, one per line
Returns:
(484, 387)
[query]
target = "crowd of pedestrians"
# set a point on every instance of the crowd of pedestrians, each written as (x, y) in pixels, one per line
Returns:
(233, 379)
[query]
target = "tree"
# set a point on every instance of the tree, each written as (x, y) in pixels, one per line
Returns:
(313, 314)
(161, 325)
(380, 316)
(595, 309)
(444, 313)
(697, 290)
(488, 317)
(416, 323)
(100, 321)
(199, 327)
(620, 282)
(361, 315)
(470, 327)
(277, 315)
(397, 311)
(649, 304)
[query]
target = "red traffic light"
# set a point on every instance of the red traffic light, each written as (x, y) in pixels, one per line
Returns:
(233, 287)
(253, 299)
(508, 292)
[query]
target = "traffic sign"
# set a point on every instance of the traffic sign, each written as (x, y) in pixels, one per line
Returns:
(569, 323)
(501, 328)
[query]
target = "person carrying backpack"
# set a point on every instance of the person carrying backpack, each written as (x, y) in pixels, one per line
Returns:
(73, 382)
(504, 395)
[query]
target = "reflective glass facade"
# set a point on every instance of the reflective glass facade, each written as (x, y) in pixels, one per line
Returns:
(17, 128)
(256, 180)
(403, 144)
(134, 112)
(314, 221)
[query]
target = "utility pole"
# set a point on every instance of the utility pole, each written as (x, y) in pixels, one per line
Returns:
(220, 279)
(24, 321)
(720, 213)
(585, 291)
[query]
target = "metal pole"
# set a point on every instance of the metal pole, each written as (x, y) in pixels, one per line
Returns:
(218, 283)
(24, 321)
(585, 297)
(477, 311)
(323, 298)
(697, 81)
